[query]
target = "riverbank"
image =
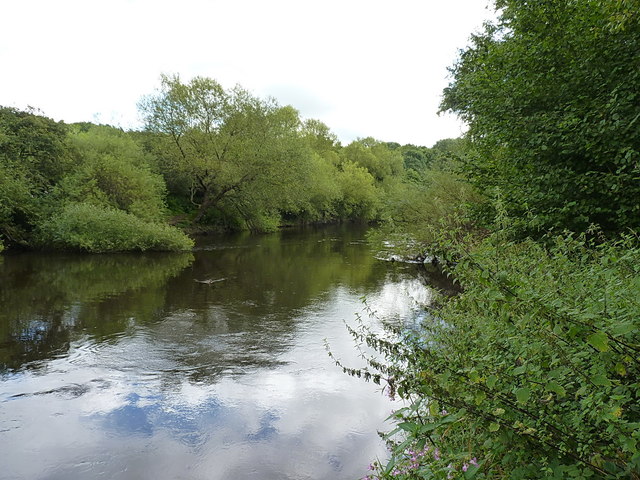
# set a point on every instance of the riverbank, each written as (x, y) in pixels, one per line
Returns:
(531, 368)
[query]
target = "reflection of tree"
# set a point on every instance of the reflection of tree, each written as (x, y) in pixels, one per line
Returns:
(438, 280)
(260, 287)
(268, 278)
(45, 298)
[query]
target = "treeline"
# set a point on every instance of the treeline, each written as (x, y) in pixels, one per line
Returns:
(79, 187)
(208, 158)
(533, 370)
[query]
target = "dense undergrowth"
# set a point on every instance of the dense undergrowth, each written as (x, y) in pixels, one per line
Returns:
(531, 372)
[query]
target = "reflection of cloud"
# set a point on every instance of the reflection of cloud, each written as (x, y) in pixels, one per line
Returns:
(401, 299)
(151, 415)
(142, 415)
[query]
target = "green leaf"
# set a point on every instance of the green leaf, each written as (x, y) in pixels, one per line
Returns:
(599, 341)
(523, 395)
(600, 380)
(620, 369)
(556, 388)
(623, 328)
(429, 427)
(493, 427)
(480, 397)
(409, 427)
(520, 370)
(491, 381)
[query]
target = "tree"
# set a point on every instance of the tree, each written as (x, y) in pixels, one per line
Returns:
(34, 157)
(551, 92)
(381, 161)
(112, 170)
(359, 197)
(237, 152)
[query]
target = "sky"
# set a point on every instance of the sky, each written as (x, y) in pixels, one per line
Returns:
(366, 68)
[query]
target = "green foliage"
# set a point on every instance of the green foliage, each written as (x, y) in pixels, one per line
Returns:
(322, 191)
(114, 171)
(533, 371)
(51, 174)
(97, 229)
(359, 198)
(319, 136)
(381, 162)
(550, 92)
(244, 162)
(33, 158)
(430, 201)
(416, 158)
(237, 152)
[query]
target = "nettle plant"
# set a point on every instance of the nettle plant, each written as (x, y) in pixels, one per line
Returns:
(531, 372)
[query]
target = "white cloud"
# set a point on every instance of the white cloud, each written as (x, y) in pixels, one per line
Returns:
(364, 67)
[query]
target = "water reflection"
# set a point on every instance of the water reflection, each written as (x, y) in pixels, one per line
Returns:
(46, 299)
(207, 366)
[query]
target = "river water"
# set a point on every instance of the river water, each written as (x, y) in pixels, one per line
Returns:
(203, 365)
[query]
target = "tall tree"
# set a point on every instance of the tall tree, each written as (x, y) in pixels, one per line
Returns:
(381, 161)
(236, 150)
(551, 93)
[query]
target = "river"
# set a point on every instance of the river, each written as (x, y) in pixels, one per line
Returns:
(202, 365)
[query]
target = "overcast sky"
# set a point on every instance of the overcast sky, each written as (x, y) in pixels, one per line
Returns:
(363, 67)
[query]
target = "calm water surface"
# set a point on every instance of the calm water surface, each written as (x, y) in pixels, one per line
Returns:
(207, 365)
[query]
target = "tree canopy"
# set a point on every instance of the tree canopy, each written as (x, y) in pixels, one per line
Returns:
(551, 93)
(228, 144)
(34, 156)
(79, 187)
(247, 161)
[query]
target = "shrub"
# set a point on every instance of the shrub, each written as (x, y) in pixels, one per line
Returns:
(532, 372)
(91, 228)
(114, 171)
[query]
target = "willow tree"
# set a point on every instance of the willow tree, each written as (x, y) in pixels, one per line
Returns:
(235, 150)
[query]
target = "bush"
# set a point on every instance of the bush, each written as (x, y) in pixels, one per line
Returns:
(91, 228)
(114, 171)
(531, 372)
(34, 157)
